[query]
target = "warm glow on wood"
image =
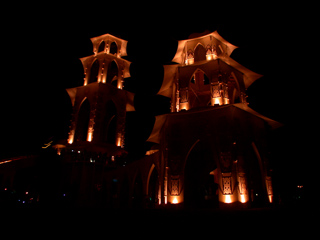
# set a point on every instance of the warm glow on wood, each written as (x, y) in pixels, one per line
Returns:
(184, 106)
(118, 142)
(216, 101)
(90, 133)
(227, 199)
(175, 200)
(70, 139)
(211, 57)
(119, 85)
(243, 198)
(190, 61)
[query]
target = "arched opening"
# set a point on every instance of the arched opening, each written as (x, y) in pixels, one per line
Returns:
(153, 187)
(83, 121)
(112, 73)
(200, 53)
(94, 71)
(199, 89)
(113, 48)
(236, 96)
(137, 197)
(124, 193)
(101, 46)
(109, 124)
(256, 181)
(200, 189)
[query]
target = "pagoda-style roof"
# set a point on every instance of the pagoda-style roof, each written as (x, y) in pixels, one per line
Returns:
(220, 57)
(108, 38)
(211, 38)
(233, 111)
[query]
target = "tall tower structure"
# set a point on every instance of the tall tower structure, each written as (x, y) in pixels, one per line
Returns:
(211, 133)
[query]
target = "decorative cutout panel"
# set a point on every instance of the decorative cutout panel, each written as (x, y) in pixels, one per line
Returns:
(175, 186)
(227, 185)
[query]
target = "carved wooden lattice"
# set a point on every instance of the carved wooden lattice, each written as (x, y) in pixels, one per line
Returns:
(227, 185)
(175, 187)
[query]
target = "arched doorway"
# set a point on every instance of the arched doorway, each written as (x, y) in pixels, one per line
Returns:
(83, 121)
(94, 71)
(256, 181)
(153, 187)
(137, 197)
(200, 189)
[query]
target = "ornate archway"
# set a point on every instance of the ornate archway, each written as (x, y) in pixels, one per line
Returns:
(200, 189)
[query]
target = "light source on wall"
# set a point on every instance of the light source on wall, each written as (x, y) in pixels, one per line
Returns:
(119, 84)
(119, 140)
(89, 137)
(175, 200)
(270, 198)
(243, 198)
(184, 106)
(90, 133)
(71, 136)
(189, 61)
(227, 199)
(211, 56)
(216, 101)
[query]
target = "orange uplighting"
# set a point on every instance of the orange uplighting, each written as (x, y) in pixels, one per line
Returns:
(243, 198)
(119, 85)
(216, 101)
(270, 198)
(70, 139)
(190, 61)
(211, 57)
(227, 199)
(118, 142)
(175, 200)
(89, 138)
(184, 106)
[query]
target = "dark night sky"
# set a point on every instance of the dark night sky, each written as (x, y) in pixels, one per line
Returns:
(43, 59)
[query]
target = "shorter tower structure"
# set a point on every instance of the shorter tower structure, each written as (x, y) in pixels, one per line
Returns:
(97, 129)
(100, 105)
